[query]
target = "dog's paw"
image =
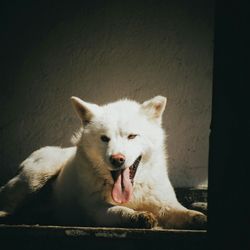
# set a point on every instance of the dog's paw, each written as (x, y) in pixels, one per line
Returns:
(4, 214)
(144, 220)
(197, 220)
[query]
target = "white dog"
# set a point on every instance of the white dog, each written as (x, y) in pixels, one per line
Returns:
(115, 175)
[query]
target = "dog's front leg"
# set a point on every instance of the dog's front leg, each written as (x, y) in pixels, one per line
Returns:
(119, 216)
(182, 218)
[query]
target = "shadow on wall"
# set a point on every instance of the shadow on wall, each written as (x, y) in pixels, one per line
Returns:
(102, 51)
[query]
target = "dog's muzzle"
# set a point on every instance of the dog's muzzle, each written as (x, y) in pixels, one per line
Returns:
(132, 170)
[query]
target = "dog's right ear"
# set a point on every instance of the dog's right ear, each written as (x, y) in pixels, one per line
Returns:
(85, 110)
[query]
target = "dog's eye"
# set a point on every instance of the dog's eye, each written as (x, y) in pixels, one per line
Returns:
(104, 138)
(131, 136)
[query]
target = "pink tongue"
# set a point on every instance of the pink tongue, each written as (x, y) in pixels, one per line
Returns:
(122, 189)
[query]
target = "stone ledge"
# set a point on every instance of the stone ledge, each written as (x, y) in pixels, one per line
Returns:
(58, 237)
(97, 232)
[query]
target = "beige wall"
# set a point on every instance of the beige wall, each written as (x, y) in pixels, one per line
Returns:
(103, 51)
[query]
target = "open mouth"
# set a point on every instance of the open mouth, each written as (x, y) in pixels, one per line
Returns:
(123, 182)
(132, 170)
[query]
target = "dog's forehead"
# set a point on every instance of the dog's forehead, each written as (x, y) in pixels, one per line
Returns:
(122, 115)
(121, 109)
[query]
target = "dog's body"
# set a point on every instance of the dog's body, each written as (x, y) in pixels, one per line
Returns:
(115, 175)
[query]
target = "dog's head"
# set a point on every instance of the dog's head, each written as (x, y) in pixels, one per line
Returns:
(118, 136)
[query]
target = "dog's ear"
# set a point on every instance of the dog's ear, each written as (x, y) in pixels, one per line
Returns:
(154, 108)
(85, 110)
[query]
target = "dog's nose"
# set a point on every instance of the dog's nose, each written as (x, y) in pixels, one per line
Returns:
(117, 160)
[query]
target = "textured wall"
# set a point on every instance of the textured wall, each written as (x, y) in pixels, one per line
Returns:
(102, 51)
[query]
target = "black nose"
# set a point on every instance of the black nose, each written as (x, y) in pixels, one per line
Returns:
(117, 160)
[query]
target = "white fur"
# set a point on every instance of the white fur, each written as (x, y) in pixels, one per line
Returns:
(82, 189)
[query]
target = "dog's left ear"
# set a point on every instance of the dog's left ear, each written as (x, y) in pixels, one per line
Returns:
(85, 110)
(155, 107)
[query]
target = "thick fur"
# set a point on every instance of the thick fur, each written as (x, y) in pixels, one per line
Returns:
(82, 188)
